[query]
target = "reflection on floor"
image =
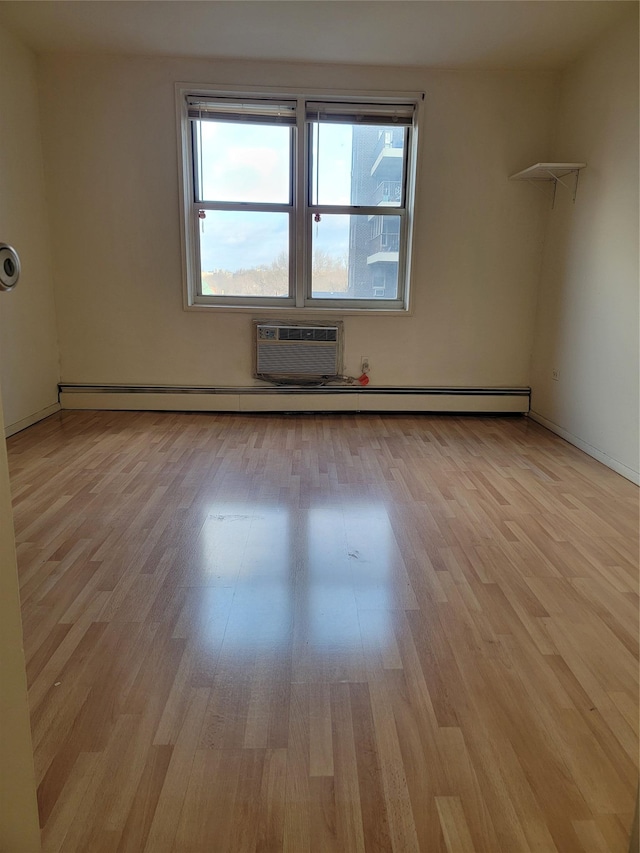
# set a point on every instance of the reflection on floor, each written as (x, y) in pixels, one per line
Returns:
(317, 633)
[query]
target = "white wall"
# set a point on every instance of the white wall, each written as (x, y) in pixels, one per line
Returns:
(112, 178)
(587, 325)
(29, 370)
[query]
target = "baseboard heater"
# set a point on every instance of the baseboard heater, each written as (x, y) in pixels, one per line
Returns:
(295, 399)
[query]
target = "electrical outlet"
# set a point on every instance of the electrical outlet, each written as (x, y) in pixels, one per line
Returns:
(555, 374)
(364, 363)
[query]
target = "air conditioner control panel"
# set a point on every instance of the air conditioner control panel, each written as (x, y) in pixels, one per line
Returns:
(267, 333)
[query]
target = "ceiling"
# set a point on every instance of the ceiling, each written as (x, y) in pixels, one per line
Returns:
(510, 34)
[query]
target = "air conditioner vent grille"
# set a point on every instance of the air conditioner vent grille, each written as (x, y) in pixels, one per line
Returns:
(297, 358)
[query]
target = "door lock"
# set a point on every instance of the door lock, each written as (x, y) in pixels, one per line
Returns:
(9, 267)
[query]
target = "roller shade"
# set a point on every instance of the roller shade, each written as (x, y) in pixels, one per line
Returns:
(256, 111)
(352, 113)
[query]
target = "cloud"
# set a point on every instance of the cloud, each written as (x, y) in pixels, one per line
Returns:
(234, 240)
(245, 163)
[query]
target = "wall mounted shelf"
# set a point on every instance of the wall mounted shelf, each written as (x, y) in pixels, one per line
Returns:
(551, 172)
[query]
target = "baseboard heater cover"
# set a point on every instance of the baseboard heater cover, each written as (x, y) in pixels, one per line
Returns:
(292, 398)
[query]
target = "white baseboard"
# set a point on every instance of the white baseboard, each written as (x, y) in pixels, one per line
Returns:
(12, 429)
(607, 460)
(294, 399)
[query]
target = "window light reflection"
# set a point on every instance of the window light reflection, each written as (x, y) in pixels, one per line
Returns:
(318, 569)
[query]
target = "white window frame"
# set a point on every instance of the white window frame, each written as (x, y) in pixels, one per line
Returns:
(301, 210)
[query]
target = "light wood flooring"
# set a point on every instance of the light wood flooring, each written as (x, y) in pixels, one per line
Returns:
(326, 633)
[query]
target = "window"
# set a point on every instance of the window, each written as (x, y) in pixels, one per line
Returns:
(294, 202)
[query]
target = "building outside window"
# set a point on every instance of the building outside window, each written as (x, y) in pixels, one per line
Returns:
(377, 180)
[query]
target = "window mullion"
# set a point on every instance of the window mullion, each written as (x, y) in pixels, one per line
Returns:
(301, 249)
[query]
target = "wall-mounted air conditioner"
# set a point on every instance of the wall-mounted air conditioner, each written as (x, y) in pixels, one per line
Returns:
(297, 353)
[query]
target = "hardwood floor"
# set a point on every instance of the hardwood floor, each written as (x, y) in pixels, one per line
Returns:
(326, 633)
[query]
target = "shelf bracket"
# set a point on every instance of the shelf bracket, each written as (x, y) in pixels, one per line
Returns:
(556, 180)
(575, 185)
(543, 190)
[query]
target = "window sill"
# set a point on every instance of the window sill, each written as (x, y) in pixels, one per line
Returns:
(300, 311)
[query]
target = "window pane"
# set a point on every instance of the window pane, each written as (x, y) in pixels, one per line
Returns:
(355, 257)
(244, 253)
(243, 162)
(357, 164)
